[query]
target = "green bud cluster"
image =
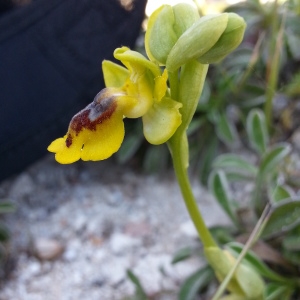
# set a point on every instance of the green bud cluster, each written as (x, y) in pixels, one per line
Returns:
(177, 35)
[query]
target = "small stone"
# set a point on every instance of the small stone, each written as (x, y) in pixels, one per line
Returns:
(47, 249)
(121, 243)
(137, 229)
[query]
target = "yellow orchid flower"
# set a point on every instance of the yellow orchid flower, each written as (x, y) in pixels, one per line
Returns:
(139, 90)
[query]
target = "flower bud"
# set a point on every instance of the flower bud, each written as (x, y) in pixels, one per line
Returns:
(245, 282)
(230, 39)
(165, 26)
(208, 40)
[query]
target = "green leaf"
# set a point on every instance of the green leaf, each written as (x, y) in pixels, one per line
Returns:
(226, 130)
(280, 193)
(293, 42)
(275, 291)
(235, 164)
(284, 217)
(4, 233)
(240, 59)
(139, 290)
(292, 256)
(182, 254)
(292, 88)
(273, 158)
(255, 262)
(257, 130)
(156, 158)
(129, 147)
(6, 207)
(207, 157)
(219, 186)
(194, 283)
(195, 125)
(222, 235)
(253, 102)
(292, 242)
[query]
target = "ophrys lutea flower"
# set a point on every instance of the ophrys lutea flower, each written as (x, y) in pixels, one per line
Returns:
(139, 90)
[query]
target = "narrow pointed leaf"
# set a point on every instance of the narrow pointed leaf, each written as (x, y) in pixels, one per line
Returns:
(257, 130)
(6, 207)
(236, 164)
(220, 188)
(4, 234)
(226, 130)
(292, 242)
(255, 262)
(195, 282)
(139, 290)
(129, 147)
(275, 291)
(292, 256)
(280, 193)
(182, 254)
(284, 217)
(273, 158)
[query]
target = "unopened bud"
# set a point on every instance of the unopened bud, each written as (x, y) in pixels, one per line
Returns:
(165, 26)
(209, 40)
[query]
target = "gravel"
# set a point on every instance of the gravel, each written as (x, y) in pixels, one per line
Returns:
(78, 228)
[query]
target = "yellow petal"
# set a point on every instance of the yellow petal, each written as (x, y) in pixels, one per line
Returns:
(105, 140)
(64, 154)
(160, 85)
(161, 121)
(138, 97)
(95, 133)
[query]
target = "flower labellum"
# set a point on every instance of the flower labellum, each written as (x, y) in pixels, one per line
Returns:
(95, 133)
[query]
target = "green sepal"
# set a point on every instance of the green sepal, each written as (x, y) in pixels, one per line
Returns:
(161, 121)
(114, 74)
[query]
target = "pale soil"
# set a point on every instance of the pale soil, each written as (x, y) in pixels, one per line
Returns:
(97, 220)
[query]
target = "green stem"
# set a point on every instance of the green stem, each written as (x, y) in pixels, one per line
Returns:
(187, 90)
(178, 146)
(273, 66)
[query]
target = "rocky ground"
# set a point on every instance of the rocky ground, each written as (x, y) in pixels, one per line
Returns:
(78, 228)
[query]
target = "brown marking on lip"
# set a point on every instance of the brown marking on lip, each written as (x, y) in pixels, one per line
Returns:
(95, 113)
(69, 140)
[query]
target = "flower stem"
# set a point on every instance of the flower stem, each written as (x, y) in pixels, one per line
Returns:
(177, 146)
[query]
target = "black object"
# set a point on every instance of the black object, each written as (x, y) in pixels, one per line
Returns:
(50, 68)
